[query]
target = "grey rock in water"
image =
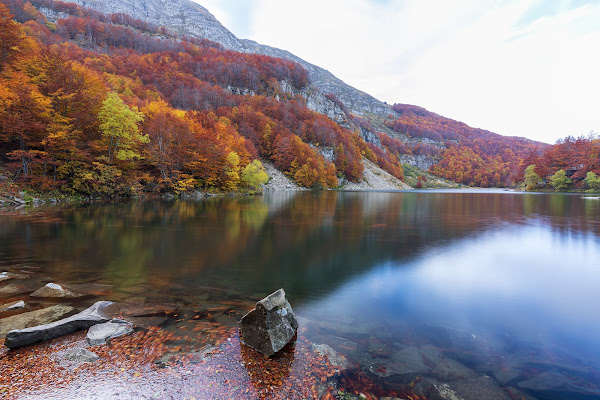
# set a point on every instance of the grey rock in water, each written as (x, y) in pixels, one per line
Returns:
(83, 320)
(33, 318)
(81, 355)
(334, 358)
(102, 333)
(12, 306)
(468, 389)
(54, 290)
(449, 370)
(5, 276)
(555, 385)
(402, 368)
(270, 325)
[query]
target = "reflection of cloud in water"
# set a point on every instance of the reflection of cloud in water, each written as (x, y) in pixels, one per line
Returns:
(530, 281)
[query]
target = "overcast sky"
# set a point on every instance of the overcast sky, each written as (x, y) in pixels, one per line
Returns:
(517, 67)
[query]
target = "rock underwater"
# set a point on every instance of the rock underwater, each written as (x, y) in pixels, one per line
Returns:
(270, 325)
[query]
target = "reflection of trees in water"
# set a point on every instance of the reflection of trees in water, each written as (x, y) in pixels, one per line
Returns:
(307, 242)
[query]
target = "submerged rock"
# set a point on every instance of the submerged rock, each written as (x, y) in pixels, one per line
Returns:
(33, 318)
(404, 366)
(5, 276)
(83, 320)
(554, 385)
(12, 306)
(54, 290)
(449, 370)
(468, 389)
(141, 310)
(81, 355)
(15, 289)
(334, 358)
(270, 325)
(101, 333)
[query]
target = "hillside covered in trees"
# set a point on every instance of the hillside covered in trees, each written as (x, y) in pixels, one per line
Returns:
(465, 155)
(109, 105)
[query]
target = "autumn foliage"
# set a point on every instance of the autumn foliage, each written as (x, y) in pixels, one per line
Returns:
(466, 155)
(567, 162)
(109, 105)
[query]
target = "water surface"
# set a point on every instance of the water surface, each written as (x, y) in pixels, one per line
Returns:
(518, 273)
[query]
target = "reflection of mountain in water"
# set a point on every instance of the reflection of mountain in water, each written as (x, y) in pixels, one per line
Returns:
(308, 242)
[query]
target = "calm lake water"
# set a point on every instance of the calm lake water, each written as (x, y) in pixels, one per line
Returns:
(506, 283)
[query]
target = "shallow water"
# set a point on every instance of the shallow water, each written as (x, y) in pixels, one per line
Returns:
(500, 281)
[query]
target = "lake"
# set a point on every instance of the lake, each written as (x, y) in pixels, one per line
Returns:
(499, 289)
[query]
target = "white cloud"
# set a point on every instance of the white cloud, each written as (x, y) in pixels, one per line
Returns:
(498, 65)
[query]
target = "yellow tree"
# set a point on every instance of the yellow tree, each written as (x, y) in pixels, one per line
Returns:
(119, 126)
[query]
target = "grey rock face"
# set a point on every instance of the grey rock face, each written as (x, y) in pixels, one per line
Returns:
(81, 355)
(83, 320)
(102, 333)
(33, 318)
(54, 290)
(188, 18)
(270, 325)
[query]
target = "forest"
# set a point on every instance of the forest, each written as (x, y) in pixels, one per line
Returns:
(106, 105)
(477, 157)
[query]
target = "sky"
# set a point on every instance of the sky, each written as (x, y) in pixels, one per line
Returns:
(526, 68)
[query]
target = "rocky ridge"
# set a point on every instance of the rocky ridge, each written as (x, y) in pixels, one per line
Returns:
(185, 17)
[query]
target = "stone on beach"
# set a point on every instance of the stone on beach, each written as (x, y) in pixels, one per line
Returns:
(83, 320)
(270, 325)
(54, 290)
(102, 333)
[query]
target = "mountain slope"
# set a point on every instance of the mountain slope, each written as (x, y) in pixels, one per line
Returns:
(188, 18)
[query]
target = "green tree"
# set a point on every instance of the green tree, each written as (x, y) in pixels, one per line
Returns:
(560, 181)
(592, 180)
(254, 175)
(119, 126)
(531, 178)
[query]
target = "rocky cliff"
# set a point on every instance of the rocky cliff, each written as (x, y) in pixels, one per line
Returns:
(188, 18)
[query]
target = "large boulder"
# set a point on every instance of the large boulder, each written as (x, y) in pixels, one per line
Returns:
(85, 319)
(270, 325)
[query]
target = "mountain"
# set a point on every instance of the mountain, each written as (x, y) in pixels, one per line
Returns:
(191, 19)
(179, 51)
(108, 104)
